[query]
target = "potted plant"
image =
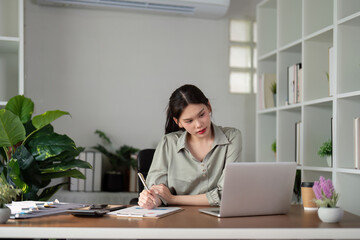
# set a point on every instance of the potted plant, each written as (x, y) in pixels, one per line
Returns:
(326, 200)
(121, 160)
(32, 153)
(273, 147)
(273, 90)
(7, 194)
(325, 150)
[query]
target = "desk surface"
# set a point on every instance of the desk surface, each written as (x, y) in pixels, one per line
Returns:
(186, 224)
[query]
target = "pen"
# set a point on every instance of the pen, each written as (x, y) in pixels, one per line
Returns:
(143, 181)
(146, 187)
(130, 215)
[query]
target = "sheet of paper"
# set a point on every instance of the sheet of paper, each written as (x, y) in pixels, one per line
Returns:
(137, 211)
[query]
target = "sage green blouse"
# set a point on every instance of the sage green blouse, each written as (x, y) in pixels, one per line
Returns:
(174, 165)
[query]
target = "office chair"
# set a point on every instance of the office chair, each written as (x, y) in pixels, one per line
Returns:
(144, 160)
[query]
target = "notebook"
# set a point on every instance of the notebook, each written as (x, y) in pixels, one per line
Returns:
(255, 188)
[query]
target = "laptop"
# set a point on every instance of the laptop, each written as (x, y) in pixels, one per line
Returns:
(255, 188)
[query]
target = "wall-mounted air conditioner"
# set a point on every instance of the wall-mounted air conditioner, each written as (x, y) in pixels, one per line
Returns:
(194, 8)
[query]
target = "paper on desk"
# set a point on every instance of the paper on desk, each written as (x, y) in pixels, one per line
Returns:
(137, 211)
(20, 206)
(31, 209)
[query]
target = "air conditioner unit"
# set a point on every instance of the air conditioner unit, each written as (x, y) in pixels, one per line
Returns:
(194, 8)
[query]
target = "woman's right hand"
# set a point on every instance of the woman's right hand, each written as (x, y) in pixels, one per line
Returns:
(148, 199)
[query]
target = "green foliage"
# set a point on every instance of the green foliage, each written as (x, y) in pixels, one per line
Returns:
(119, 159)
(7, 192)
(327, 202)
(325, 149)
(273, 146)
(32, 153)
(273, 87)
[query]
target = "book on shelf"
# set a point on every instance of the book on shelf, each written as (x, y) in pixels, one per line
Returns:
(81, 182)
(357, 142)
(294, 83)
(133, 181)
(97, 171)
(93, 175)
(298, 143)
(266, 97)
(89, 172)
(331, 73)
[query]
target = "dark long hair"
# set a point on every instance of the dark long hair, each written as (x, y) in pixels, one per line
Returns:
(179, 100)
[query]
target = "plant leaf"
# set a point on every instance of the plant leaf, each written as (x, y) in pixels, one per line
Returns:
(46, 118)
(12, 130)
(66, 165)
(29, 168)
(68, 173)
(29, 128)
(14, 175)
(64, 156)
(103, 136)
(22, 107)
(48, 192)
(23, 157)
(46, 146)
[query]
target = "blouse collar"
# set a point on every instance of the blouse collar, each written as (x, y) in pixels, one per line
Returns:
(219, 138)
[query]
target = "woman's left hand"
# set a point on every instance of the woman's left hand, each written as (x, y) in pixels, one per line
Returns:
(163, 191)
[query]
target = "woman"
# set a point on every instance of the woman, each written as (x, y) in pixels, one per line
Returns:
(188, 163)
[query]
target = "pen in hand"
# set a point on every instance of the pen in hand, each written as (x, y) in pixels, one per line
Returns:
(147, 188)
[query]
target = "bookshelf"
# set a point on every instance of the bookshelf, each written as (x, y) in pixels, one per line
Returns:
(11, 49)
(302, 31)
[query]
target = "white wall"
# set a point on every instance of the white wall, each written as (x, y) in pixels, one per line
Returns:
(115, 70)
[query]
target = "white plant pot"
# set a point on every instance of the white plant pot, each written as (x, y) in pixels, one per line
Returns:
(4, 214)
(328, 161)
(330, 215)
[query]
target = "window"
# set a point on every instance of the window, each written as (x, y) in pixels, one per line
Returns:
(242, 56)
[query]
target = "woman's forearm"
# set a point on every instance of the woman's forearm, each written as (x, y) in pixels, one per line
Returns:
(199, 199)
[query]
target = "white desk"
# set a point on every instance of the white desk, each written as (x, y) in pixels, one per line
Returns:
(187, 224)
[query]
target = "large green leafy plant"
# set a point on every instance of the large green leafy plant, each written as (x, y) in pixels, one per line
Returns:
(32, 153)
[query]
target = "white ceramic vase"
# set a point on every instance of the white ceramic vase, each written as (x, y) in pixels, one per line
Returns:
(4, 214)
(330, 215)
(328, 161)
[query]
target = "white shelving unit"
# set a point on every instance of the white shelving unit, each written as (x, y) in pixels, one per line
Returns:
(301, 31)
(11, 49)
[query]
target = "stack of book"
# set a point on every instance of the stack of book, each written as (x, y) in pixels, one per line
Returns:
(294, 89)
(92, 183)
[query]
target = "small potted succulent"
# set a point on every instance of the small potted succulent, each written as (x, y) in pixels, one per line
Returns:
(325, 150)
(7, 194)
(326, 200)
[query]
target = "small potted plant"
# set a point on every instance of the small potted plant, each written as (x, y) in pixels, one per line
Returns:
(273, 90)
(121, 161)
(325, 150)
(273, 147)
(326, 200)
(7, 194)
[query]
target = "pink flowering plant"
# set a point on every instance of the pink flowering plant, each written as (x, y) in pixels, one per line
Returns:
(325, 193)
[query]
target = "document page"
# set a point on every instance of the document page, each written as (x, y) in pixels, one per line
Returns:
(137, 211)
